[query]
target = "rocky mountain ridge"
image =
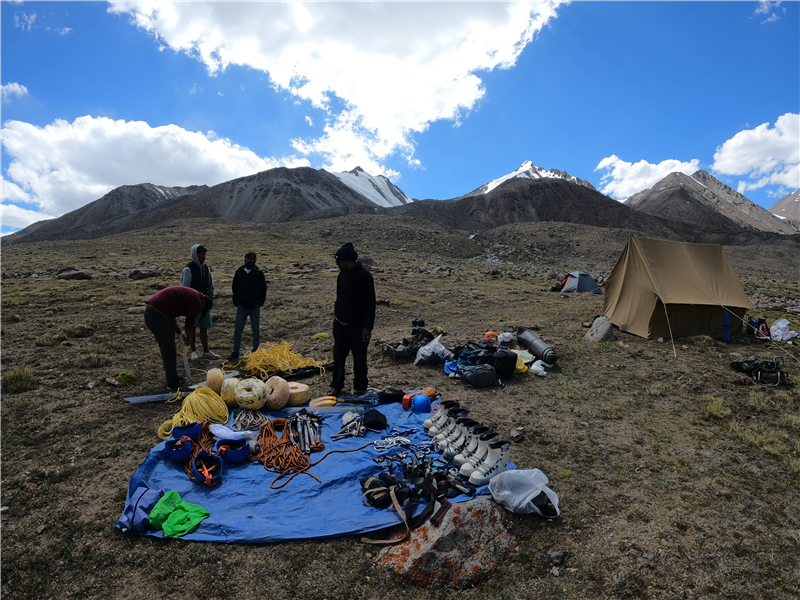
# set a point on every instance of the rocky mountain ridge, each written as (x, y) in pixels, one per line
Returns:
(697, 208)
(788, 208)
(703, 200)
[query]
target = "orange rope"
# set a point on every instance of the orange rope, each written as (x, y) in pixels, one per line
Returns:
(279, 455)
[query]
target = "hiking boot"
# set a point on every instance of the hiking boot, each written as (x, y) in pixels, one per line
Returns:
(471, 446)
(496, 462)
(359, 393)
(480, 453)
(194, 355)
(181, 383)
(450, 425)
(462, 424)
(455, 444)
(233, 356)
(455, 433)
(208, 354)
(439, 415)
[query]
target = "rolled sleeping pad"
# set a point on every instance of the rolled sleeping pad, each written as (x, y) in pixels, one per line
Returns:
(534, 343)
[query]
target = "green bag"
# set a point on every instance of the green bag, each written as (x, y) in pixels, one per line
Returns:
(765, 372)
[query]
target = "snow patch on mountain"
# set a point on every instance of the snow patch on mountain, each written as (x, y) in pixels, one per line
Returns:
(528, 170)
(377, 189)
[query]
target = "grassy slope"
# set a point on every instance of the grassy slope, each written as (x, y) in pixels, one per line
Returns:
(682, 458)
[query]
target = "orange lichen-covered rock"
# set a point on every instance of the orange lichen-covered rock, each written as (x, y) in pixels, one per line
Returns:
(462, 551)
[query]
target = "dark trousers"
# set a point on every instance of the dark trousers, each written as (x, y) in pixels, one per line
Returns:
(163, 329)
(346, 339)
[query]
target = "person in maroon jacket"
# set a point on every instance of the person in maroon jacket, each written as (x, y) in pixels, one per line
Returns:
(160, 316)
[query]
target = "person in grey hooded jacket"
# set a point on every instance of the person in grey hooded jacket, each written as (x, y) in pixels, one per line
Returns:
(197, 275)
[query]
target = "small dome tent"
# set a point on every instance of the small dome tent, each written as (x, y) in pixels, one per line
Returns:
(580, 281)
(669, 289)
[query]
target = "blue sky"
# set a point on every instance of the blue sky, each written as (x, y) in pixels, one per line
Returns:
(440, 97)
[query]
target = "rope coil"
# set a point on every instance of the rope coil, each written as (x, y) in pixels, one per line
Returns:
(278, 358)
(203, 405)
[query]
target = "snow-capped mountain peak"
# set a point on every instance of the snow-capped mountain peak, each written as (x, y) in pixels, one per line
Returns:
(528, 170)
(377, 189)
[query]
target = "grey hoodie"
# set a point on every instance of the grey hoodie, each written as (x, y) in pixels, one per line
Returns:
(186, 274)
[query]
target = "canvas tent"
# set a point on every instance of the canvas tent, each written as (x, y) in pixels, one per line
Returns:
(580, 281)
(674, 289)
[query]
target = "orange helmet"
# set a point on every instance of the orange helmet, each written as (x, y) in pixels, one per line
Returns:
(490, 335)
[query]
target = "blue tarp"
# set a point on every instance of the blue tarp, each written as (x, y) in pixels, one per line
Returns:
(245, 510)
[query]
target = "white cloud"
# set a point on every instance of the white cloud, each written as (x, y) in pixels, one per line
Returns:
(24, 22)
(19, 218)
(64, 30)
(309, 121)
(623, 179)
(62, 166)
(395, 67)
(767, 156)
(12, 192)
(13, 89)
(764, 6)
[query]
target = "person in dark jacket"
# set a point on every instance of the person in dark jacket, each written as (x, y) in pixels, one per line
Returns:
(249, 295)
(163, 308)
(354, 318)
(197, 275)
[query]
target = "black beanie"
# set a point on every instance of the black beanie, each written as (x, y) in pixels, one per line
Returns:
(346, 252)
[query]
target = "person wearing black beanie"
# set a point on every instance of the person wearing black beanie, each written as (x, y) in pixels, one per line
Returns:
(353, 321)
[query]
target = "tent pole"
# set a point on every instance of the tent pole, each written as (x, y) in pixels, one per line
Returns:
(771, 341)
(669, 326)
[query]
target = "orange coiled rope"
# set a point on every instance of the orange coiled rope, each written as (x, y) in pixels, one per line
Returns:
(279, 455)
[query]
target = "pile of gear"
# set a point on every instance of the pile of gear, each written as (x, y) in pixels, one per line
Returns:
(461, 455)
(479, 364)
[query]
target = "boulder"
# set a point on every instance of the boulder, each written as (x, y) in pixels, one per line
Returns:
(74, 274)
(600, 331)
(146, 273)
(467, 547)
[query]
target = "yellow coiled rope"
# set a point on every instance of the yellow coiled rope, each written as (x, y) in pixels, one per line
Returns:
(277, 358)
(203, 405)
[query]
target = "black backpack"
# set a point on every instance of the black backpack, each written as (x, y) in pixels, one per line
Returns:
(505, 363)
(480, 375)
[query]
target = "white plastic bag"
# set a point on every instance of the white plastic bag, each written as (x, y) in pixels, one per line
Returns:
(222, 432)
(514, 490)
(538, 368)
(432, 353)
(780, 331)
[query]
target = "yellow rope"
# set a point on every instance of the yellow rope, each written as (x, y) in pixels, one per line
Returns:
(203, 405)
(277, 358)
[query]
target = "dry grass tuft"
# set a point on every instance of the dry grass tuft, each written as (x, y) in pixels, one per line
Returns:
(19, 379)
